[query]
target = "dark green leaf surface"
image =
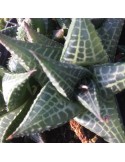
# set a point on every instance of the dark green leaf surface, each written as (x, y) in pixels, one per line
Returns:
(6, 121)
(110, 33)
(48, 51)
(11, 120)
(111, 76)
(49, 110)
(83, 45)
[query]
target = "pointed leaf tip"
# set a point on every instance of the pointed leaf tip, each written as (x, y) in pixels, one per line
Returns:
(9, 138)
(83, 45)
(90, 99)
(26, 28)
(35, 37)
(13, 85)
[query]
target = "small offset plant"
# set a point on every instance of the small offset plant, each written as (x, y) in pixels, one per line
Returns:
(47, 83)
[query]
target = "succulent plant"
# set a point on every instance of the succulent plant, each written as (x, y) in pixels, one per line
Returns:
(47, 83)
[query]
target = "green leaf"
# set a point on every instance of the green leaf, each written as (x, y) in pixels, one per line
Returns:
(47, 50)
(49, 110)
(35, 37)
(20, 49)
(111, 131)
(10, 31)
(110, 33)
(6, 120)
(111, 76)
(89, 98)
(83, 45)
(63, 76)
(13, 86)
(11, 120)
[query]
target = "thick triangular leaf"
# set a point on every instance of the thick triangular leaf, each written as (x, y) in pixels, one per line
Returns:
(6, 120)
(47, 50)
(35, 37)
(83, 45)
(110, 33)
(11, 120)
(112, 129)
(10, 31)
(20, 48)
(49, 110)
(13, 88)
(35, 23)
(111, 76)
(63, 76)
(89, 98)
